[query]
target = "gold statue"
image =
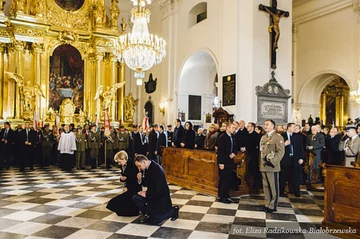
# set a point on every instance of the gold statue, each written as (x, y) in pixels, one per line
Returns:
(115, 13)
(123, 26)
(99, 14)
(18, 6)
(108, 96)
(38, 7)
(274, 27)
(51, 115)
(28, 94)
(130, 104)
(82, 117)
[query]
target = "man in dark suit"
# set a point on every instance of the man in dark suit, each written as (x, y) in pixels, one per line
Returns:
(170, 134)
(178, 134)
(252, 151)
(153, 138)
(332, 147)
(28, 139)
(316, 143)
(6, 140)
(140, 144)
(291, 161)
(240, 136)
(225, 158)
(155, 203)
(161, 143)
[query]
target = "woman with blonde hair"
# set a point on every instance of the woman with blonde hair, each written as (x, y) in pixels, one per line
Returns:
(123, 204)
(211, 137)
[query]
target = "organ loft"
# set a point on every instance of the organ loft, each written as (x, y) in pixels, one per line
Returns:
(54, 54)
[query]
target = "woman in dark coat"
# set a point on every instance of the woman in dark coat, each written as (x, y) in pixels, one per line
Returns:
(188, 140)
(123, 204)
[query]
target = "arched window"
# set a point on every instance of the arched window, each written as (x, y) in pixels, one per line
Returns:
(198, 14)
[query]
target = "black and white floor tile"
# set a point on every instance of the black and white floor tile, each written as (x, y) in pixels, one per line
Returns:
(50, 203)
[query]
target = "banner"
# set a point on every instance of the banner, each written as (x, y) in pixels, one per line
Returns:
(106, 123)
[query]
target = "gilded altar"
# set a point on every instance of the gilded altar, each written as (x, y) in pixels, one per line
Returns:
(35, 37)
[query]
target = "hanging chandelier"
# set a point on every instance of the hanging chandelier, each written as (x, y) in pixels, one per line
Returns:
(355, 95)
(139, 49)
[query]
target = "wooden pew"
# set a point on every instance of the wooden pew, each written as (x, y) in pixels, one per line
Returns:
(342, 199)
(198, 170)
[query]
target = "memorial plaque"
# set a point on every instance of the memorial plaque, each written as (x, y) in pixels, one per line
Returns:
(229, 90)
(272, 102)
(194, 107)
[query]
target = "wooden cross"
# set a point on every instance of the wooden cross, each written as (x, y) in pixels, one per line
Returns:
(274, 29)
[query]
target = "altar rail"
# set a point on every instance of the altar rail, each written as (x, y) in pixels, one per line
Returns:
(341, 201)
(198, 170)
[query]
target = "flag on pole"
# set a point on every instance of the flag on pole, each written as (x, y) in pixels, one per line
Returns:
(42, 119)
(96, 121)
(146, 123)
(106, 122)
(36, 119)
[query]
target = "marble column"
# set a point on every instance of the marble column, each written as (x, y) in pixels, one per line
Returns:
(121, 93)
(2, 49)
(99, 58)
(37, 51)
(113, 80)
(19, 47)
(323, 107)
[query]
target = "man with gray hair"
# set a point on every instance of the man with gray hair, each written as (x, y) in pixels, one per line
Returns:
(350, 145)
(316, 143)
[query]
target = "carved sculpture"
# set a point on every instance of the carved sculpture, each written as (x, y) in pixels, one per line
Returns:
(114, 13)
(130, 104)
(108, 96)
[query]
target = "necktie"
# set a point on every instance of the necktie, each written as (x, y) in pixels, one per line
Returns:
(27, 135)
(291, 152)
(231, 144)
(6, 133)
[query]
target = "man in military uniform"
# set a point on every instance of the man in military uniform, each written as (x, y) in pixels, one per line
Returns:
(81, 146)
(109, 147)
(316, 143)
(272, 149)
(94, 143)
(47, 139)
(350, 144)
(122, 139)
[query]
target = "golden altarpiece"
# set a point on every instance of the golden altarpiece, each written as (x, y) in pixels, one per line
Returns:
(65, 47)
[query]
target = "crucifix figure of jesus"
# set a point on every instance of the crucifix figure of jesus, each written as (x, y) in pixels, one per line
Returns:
(274, 29)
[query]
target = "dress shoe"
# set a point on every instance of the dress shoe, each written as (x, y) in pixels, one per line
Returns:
(264, 209)
(224, 200)
(297, 195)
(144, 218)
(270, 210)
(176, 213)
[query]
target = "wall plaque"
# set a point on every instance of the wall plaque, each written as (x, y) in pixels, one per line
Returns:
(229, 90)
(194, 107)
(272, 102)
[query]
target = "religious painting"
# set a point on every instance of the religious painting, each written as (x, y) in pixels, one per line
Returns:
(66, 80)
(70, 5)
(208, 118)
(229, 90)
(194, 107)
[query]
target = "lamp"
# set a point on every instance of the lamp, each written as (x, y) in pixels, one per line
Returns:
(162, 107)
(139, 49)
(355, 95)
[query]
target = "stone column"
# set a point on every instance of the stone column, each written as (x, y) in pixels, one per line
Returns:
(99, 57)
(113, 80)
(323, 107)
(121, 93)
(2, 49)
(19, 47)
(341, 110)
(37, 50)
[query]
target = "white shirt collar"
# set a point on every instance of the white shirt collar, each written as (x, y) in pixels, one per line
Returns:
(269, 134)
(352, 138)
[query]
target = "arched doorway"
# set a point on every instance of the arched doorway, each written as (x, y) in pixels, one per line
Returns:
(334, 101)
(149, 111)
(66, 78)
(197, 88)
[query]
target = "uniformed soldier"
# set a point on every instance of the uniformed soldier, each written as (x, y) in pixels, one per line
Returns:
(272, 149)
(47, 140)
(122, 139)
(350, 144)
(94, 143)
(109, 142)
(81, 145)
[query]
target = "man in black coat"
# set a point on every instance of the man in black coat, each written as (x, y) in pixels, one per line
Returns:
(6, 141)
(28, 139)
(153, 138)
(155, 203)
(170, 136)
(161, 143)
(332, 147)
(199, 139)
(252, 151)
(225, 158)
(291, 162)
(178, 134)
(140, 141)
(240, 136)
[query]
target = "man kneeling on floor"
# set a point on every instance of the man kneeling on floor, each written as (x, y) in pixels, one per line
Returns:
(155, 203)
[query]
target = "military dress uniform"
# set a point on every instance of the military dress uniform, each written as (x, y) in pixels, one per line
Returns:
(110, 146)
(351, 147)
(94, 143)
(122, 141)
(47, 140)
(272, 149)
(81, 145)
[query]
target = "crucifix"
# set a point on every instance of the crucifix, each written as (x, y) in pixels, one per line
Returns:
(274, 29)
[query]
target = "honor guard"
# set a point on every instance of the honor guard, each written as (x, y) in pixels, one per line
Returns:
(272, 149)
(122, 139)
(47, 140)
(350, 144)
(94, 143)
(81, 145)
(110, 146)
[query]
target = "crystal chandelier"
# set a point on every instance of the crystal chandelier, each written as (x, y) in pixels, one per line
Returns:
(139, 49)
(355, 95)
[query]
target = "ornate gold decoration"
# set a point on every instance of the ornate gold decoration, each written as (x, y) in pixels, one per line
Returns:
(58, 17)
(114, 13)
(29, 32)
(82, 118)
(4, 33)
(17, 6)
(2, 4)
(38, 47)
(50, 116)
(123, 26)
(28, 94)
(104, 43)
(99, 13)
(68, 37)
(67, 111)
(108, 96)
(130, 104)
(38, 8)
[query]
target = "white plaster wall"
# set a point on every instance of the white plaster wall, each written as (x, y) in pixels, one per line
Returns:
(327, 44)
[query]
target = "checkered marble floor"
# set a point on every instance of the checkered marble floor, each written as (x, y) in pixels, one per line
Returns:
(50, 203)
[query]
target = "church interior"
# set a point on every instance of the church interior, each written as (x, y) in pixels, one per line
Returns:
(249, 111)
